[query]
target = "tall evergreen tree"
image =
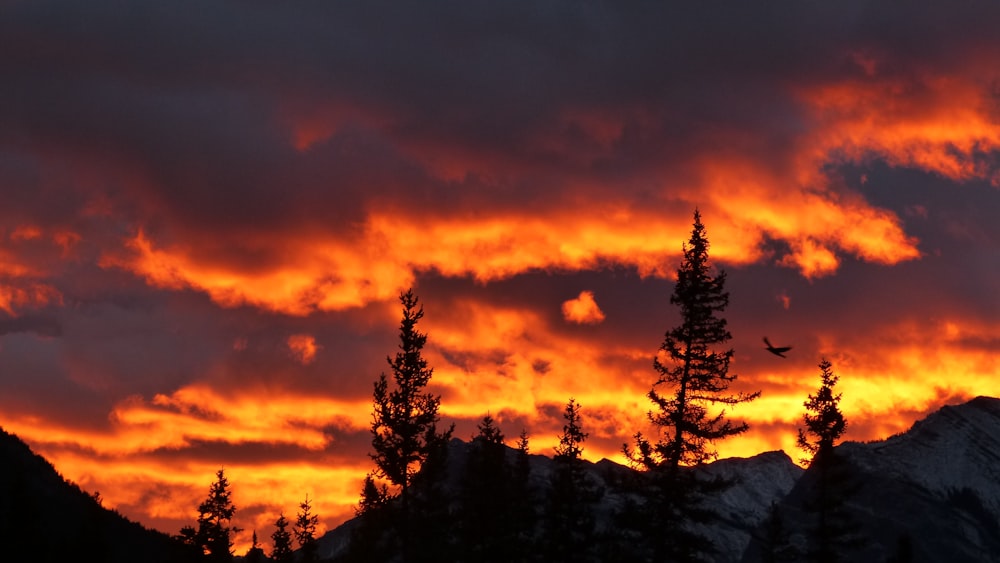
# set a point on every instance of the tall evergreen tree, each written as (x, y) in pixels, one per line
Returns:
(433, 519)
(825, 424)
(693, 380)
(569, 515)
(281, 550)
(835, 532)
(214, 534)
(693, 375)
(305, 532)
(369, 537)
(523, 503)
(485, 497)
(405, 418)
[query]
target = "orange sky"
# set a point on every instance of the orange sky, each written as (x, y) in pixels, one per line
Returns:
(203, 234)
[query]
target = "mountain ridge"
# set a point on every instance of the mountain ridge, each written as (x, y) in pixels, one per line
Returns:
(44, 517)
(933, 490)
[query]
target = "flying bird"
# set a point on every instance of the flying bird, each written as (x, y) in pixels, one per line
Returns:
(777, 351)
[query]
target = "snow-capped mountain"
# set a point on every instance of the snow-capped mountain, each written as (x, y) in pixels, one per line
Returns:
(929, 494)
(757, 482)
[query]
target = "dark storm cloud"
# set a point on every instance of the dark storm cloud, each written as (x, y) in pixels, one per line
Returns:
(40, 325)
(193, 100)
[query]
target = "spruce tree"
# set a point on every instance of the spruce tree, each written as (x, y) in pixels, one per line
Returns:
(486, 527)
(214, 534)
(369, 538)
(835, 531)
(569, 512)
(690, 396)
(373, 496)
(433, 521)
(825, 424)
(255, 554)
(281, 550)
(405, 418)
(523, 503)
(305, 532)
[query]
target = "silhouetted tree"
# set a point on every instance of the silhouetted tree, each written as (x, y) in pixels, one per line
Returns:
(775, 540)
(569, 515)
(215, 530)
(433, 521)
(693, 382)
(281, 547)
(523, 503)
(305, 532)
(825, 424)
(405, 418)
(488, 532)
(373, 496)
(255, 554)
(835, 531)
(371, 535)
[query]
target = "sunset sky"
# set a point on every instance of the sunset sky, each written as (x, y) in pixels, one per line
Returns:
(208, 210)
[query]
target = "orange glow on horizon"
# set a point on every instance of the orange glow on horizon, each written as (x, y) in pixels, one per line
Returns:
(502, 350)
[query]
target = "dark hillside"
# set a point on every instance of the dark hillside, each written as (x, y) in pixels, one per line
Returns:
(44, 518)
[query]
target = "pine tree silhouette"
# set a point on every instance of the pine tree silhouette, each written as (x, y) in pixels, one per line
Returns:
(255, 554)
(281, 550)
(693, 381)
(836, 532)
(370, 538)
(569, 516)
(485, 525)
(523, 501)
(404, 421)
(305, 532)
(214, 534)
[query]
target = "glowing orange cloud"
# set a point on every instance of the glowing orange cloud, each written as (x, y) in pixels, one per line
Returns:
(19, 294)
(328, 275)
(303, 348)
(22, 285)
(200, 413)
(942, 130)
(516, 366)
(583, 309)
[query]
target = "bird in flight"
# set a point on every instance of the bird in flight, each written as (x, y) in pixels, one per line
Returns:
(777, 351)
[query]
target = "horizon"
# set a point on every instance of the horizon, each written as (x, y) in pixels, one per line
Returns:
(209, 213)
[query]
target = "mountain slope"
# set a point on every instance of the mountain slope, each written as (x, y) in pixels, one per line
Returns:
(757, 482)
(932, 493)
(44, 518)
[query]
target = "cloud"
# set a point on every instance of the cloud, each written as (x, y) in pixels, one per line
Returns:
(303, 348)
(583, 309)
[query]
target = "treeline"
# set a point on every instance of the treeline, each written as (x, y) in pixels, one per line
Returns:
(420, 505)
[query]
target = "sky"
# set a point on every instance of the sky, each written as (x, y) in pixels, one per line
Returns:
(209, 210)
